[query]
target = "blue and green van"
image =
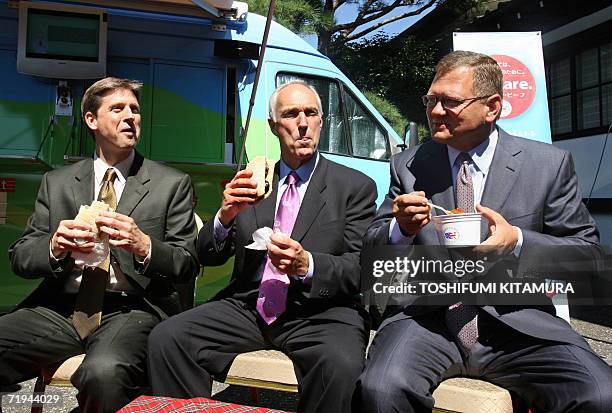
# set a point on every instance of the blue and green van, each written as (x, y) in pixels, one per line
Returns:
(198, 67)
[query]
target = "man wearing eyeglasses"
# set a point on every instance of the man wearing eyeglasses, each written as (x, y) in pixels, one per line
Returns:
(528, 192)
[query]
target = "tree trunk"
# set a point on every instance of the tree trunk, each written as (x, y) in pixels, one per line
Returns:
(324, 41)
(325, 34)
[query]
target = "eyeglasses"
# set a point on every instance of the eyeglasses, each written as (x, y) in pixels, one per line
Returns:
(430, 101)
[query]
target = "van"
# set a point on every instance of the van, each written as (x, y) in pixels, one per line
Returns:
(198, 67)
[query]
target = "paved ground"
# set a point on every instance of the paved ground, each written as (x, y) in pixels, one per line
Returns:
(593, 323)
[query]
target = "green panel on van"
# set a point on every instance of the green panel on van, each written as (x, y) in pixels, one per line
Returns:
(183, 129)
(261, 141)
(23, 127)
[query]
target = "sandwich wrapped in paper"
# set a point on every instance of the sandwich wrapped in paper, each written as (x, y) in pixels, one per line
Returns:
(263, 172)
(88, 214)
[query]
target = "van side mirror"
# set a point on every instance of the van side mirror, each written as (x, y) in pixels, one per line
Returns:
(410, 135)
(414, 135)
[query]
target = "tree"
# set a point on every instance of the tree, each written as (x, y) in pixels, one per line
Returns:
(317, 16)
(371, 13)
(299, 16)
(399, 71)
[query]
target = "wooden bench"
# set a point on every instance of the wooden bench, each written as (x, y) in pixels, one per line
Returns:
(270, 369)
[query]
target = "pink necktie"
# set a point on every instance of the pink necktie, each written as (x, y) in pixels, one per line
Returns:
(272, 299)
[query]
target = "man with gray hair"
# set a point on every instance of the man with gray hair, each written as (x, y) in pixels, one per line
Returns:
(528, 192)
(301, 296)
(105, 311)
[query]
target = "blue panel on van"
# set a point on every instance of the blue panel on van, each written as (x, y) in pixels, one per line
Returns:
(198, 85)
(129, 70)
(25, 88)
(377, 170)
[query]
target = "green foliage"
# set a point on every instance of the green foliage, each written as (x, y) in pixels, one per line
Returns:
(423, 133)
(388, 111)
(466, 8)
(299, 16)
(400, 71)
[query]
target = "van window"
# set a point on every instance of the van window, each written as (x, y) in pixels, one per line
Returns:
(368, 140)
(348, 128)
(333, 136)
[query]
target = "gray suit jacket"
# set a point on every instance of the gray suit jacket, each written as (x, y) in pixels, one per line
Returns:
(155, 196)
(531, 184)
(338, 206)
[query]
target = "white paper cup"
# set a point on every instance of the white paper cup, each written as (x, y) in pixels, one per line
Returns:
(459, 230)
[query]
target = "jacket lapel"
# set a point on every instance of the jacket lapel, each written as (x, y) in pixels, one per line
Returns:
(504, 170)
(83, 188)
(136, 187)
(313, 201)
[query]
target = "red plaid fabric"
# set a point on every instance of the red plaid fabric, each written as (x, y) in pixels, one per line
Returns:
(148, 404)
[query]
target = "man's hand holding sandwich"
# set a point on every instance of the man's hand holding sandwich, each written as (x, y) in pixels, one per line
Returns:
(250, 185)
(238, 194)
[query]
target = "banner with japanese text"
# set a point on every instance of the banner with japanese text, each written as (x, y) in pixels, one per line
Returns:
(519, 55)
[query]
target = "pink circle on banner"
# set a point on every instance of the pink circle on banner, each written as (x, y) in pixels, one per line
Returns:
(519, 86)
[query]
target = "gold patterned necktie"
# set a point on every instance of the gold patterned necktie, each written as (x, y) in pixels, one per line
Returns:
(90, 298)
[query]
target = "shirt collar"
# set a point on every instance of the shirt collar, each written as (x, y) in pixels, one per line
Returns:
(482, 155)
(122, 168)
(304, 172)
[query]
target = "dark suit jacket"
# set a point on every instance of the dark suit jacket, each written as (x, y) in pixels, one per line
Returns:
(531, 184)
(155, 196)
(335, 212)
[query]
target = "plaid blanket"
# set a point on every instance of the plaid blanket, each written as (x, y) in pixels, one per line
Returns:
(148, 404)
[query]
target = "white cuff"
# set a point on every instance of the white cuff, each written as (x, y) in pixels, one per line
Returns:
(519, 243)
(53, 258)
(396, 236)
